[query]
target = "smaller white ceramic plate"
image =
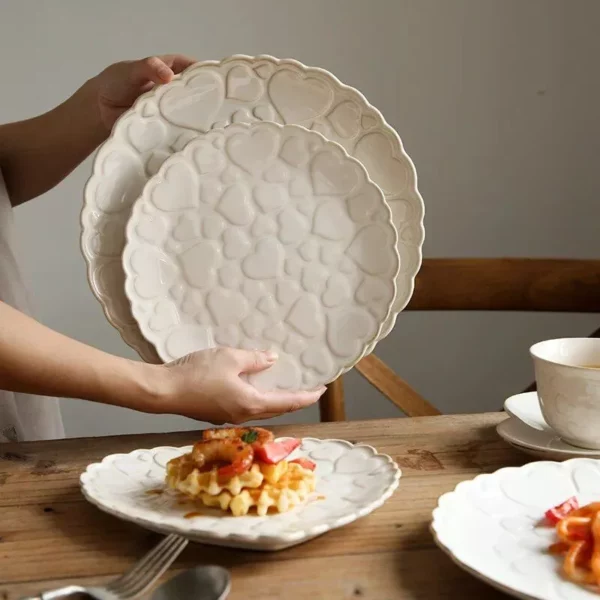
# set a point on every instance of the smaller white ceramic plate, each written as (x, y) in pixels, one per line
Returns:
(263, 237)
(353, 480)
(491, 526)
(527, 429)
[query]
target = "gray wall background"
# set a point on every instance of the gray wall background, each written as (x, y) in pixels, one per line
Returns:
(496, 102)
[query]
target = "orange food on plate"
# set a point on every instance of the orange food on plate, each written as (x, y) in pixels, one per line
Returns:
(578, 532)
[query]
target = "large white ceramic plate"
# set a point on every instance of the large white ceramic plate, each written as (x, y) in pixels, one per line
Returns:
(263, 237)
(212, 95)
(353, 481)
(492, 526)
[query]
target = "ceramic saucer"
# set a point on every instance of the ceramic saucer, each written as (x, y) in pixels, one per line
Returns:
(528, 431)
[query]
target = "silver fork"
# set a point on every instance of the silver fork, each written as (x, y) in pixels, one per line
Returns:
(134, 582)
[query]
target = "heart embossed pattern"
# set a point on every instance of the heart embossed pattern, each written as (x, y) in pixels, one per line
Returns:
(353, 480)
(212, 95)
(269, 277)
(494, 527)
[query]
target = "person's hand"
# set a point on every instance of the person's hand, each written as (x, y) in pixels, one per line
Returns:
(207, 386)
(119, 85)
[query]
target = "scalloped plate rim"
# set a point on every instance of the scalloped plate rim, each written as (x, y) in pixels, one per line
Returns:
(463, 563)
(387, 128)
(255, 542)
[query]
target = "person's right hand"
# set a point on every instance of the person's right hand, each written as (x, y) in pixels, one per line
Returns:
(207, 386)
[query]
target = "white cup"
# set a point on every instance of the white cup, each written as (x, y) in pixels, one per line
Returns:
(568, 388)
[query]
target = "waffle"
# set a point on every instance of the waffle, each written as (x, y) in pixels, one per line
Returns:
(278, 487)
(183, 476)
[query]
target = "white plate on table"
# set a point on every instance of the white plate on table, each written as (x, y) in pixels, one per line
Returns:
(490, 526)
(527, 430)
(353, 480)
(263, 237)
(209, 95)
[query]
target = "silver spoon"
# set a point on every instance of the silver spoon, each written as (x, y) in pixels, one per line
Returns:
(199, 583)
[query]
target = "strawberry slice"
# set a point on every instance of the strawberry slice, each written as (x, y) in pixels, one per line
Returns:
(274, 452)
(556, 514)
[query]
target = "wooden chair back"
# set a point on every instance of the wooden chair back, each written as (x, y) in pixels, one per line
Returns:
(478, 284)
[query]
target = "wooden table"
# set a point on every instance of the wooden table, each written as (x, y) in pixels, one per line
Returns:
(50, 536)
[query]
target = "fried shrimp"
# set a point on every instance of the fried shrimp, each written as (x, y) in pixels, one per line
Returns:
(231, 456)
(255, 436)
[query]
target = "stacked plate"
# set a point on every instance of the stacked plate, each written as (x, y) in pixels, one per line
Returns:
(528, 431)
(254, 203)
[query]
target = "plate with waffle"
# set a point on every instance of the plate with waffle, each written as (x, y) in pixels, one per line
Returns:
(242, 487)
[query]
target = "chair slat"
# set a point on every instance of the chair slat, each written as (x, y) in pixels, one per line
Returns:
(409, 401)
(331, 403)
(508, 284)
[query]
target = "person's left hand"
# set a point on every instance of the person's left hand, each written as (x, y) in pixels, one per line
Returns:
(119, 85)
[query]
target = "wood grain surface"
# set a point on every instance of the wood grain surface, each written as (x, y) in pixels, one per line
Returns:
(523, 284)
(50, 536)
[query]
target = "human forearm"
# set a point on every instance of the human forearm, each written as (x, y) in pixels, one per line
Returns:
(37, 154)
(37, 360)
(205, 385)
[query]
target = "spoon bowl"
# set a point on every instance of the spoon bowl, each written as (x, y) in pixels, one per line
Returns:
(200, 583)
